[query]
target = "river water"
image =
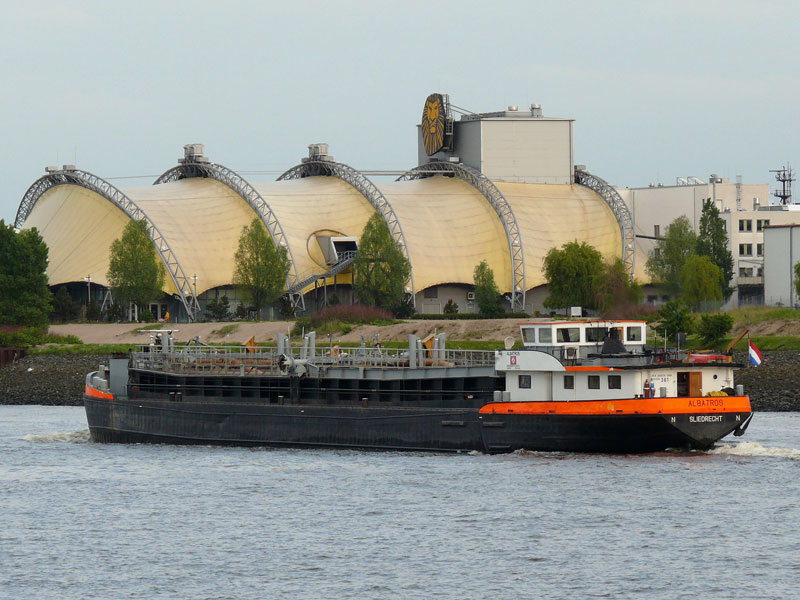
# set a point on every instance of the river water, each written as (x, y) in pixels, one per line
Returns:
(84, 520)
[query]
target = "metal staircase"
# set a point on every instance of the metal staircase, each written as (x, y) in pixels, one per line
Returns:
(346, 259)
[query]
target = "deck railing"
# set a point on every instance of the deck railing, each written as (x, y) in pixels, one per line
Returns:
(240, 360)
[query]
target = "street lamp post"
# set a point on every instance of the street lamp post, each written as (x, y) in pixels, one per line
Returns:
(194, 283)
(88, 280)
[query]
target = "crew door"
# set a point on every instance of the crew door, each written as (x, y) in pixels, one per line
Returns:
(690, 383)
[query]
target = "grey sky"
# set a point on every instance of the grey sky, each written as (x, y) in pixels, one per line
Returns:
(658, 89)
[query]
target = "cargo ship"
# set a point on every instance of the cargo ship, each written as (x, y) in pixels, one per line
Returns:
(572, 386)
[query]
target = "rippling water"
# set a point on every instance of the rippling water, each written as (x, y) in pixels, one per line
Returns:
(84, 520)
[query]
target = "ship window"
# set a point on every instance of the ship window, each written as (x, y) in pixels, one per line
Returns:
(615, 382)
(524, 382)
(634, 334)
(568, 334)
(569, 382)
(594, 382)
(528, 335)
(545, 335)
(595, 334)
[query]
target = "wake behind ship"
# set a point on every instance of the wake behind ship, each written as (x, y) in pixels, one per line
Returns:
(590, 386)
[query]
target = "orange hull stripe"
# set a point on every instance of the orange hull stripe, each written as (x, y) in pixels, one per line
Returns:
(591, 369)
(95, 393)
(629, 406)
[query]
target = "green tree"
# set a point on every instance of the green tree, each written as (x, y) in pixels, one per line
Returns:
(616, 287)
(219, 311)
(701, 281)
(135, 272)
(574, 275)
(487, 294)
(797, 278)
(24, 296)
(451, 308)
(260, 267)
(667, 259)
(674, 317)
(712, 241)
(64, 307)
(712, 328)
(380, 269)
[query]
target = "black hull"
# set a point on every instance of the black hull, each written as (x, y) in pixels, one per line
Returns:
(395, 428)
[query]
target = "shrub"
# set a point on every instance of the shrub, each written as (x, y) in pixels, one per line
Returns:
(145, 316)
(17, 337)
(357, 314)
(713, 328)
(451, 308)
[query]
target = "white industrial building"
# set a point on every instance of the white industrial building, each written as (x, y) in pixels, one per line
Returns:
(745, 208)
(781, 254)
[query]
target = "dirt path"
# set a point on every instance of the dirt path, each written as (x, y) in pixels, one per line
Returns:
(238, 332)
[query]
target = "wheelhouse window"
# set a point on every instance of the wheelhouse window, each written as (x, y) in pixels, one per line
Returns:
(545, 335)
(615, 382)
(634, 334)
(569, 382)
(595, 334)
(524, 382)
(568, 334)
(594, 382)
(529, 335)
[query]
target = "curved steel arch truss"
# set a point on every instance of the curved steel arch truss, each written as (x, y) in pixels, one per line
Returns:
(129, 207)
(500, 205)
(329, 168)
(620, 210)
(250, 195)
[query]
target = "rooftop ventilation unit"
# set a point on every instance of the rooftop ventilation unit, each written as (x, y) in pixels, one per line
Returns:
(318, 152)
(193, 153)
(536, 110)
(51, 169)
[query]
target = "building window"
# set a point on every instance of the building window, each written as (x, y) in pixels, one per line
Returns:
(615, 382)
(759, 249)
(594, 382)
(745, 225)
(760, 271)
(569, 382)
(745, 249)
(656, 230)
(652, 299)
(524, 382)
(745, 271)
(432, 292)
(761, 223)
(657, 252)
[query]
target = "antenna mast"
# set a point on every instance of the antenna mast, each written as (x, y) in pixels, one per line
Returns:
(784, 176)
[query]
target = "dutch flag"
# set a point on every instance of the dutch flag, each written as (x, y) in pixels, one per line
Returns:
(755, 355)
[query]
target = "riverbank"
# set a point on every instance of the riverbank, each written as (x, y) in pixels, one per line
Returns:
(59, 380)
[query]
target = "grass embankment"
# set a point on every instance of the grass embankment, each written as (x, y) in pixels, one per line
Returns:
(771, 328)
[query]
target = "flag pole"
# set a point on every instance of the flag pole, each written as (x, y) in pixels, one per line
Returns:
(748, 349)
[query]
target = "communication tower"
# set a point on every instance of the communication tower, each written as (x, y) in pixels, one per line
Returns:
(784, 176)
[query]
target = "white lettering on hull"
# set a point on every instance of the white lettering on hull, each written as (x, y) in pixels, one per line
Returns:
(706, 419)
